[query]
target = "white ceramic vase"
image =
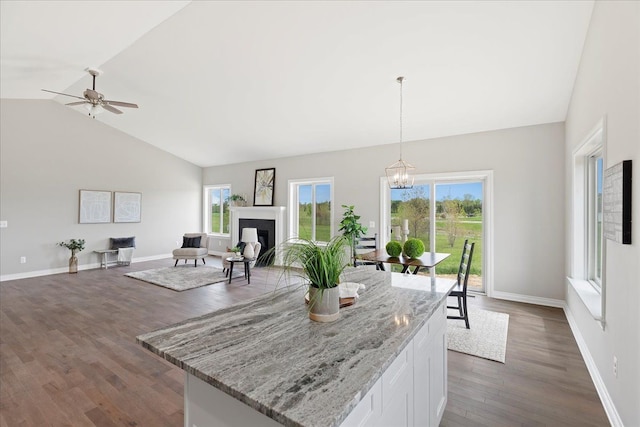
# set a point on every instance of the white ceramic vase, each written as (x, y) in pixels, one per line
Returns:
(324, 304)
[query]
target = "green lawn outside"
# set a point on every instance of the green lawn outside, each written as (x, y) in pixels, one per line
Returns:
(215, 223)
(323, 231)
(451, 264)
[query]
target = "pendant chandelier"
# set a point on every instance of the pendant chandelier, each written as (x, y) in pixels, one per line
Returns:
(399, 174)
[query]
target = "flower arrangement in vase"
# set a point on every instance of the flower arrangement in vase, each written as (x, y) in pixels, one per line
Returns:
(74, 246)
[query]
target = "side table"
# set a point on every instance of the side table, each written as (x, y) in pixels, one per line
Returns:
(247, 267)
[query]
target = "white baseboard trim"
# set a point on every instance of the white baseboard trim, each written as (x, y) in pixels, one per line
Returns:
(548, 302)
(603, 393)
(152, 258)
(38, 273)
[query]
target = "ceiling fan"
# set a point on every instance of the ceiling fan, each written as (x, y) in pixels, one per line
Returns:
(94, 101)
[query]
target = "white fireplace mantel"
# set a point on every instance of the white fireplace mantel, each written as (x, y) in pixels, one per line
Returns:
(275, 213)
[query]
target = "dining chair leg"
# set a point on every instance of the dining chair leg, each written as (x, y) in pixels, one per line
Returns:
(466, 312)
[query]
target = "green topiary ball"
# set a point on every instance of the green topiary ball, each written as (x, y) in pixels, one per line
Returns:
(413, 248)
(394, 248)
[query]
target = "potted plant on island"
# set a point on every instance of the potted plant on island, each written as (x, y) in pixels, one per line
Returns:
(74, 246)
(321, 265)
(351, 228)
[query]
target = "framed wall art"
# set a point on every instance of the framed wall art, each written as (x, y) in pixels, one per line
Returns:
(616, 206)
(264, 185)
(127, 207)
(95, 207)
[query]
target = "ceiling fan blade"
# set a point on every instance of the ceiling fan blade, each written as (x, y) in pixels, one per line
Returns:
(65, 94)
(77, 103)
(110, 108)
(121, 104)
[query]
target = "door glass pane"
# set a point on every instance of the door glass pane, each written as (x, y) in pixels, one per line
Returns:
(304, 211)
(225, 210)
(458, 218)
(410, 212)
(323, 212)
(214, 200)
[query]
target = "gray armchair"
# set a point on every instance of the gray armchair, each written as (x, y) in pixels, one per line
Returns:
(195, 246)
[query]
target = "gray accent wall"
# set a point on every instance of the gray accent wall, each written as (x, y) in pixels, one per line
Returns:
(48, 153)
(528, 167)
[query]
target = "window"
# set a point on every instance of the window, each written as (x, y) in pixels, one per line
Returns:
(216, 209)
(311, 209)
(588, 251)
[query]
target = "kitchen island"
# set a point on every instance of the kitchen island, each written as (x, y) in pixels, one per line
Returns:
(263, 362)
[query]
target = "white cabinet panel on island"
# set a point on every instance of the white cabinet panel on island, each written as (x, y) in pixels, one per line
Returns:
(263, 363)
(430, 367)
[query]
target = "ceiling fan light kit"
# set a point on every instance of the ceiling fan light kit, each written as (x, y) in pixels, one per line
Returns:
(94, 101)
(93, 109)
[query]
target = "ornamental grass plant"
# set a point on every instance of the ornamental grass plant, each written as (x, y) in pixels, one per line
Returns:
(321, 263)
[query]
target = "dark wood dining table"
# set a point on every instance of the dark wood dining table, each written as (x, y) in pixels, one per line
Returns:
(427, 260)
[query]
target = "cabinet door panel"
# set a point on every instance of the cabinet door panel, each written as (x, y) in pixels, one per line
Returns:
(396, 376)
(368, 411)
(438, 375)
(421, 380)
(398, 411)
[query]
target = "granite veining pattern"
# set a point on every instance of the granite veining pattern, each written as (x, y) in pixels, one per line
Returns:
(267, 353)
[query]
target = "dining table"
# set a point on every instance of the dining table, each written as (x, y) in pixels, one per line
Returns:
(426, 261)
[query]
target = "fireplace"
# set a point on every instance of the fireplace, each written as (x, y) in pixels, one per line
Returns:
(266, 235)
(268, 220)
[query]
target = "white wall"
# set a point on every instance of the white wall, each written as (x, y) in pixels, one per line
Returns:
(49, 152)
(528, 192)
(608, 83)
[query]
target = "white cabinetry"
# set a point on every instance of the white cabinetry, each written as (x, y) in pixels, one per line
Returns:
(413, 389)
(397, 391)
(430, 370)
(369, 410)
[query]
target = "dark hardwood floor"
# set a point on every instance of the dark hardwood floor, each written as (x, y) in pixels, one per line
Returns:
(68, 356)
(543, 382)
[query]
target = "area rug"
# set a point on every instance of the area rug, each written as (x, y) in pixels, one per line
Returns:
(182, 277)
(487, 337)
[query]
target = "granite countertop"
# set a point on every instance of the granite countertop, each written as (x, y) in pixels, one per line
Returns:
(268, 354)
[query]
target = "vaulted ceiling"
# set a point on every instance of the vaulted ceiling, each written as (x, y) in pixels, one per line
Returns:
(225, 82)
